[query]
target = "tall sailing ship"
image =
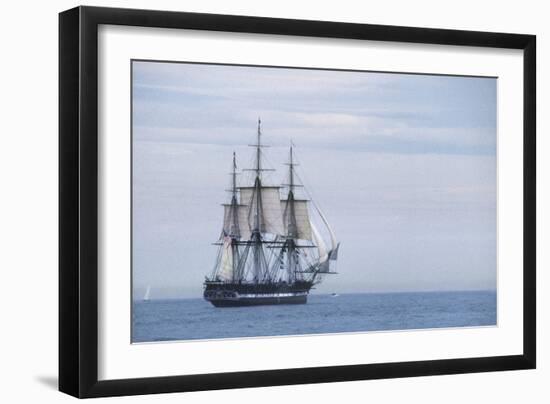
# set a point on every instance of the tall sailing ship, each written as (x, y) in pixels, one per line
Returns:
(269, 250)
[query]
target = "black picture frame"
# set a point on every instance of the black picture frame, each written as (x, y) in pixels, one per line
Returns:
(78, 201)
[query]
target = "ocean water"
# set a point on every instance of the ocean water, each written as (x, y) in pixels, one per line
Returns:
(191, 319)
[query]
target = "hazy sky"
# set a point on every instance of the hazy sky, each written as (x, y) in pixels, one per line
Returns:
(404, 167)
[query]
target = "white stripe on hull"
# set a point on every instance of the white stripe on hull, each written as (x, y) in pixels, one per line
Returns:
(260, 295)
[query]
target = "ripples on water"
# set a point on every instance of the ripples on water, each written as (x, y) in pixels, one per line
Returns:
(184, 319)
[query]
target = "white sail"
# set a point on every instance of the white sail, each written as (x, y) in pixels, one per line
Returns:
(230, 228)
(321, 246)
(303, 225)
(225, 271)
(147, 295)
(272, 218)
(333, 240)
(333, 253)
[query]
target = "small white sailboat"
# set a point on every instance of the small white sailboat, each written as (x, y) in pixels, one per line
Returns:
(147, 295)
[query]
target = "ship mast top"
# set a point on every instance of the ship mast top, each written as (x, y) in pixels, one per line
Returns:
(234, 179)
(258, 151)
(291, 181)
(258, 168)
(291, 164)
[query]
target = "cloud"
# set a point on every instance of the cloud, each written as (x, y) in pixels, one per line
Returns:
(371, 111)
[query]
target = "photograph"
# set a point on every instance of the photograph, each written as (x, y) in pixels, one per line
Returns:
(272, 201)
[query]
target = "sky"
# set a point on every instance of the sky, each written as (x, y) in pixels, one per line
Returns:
(403, 165)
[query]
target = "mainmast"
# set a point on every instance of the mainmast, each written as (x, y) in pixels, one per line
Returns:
(264, 218)
(258, 181)
(292, 229)
(235, 228)
(257, 248)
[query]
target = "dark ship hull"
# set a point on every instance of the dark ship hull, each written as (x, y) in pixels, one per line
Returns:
(229, 294)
